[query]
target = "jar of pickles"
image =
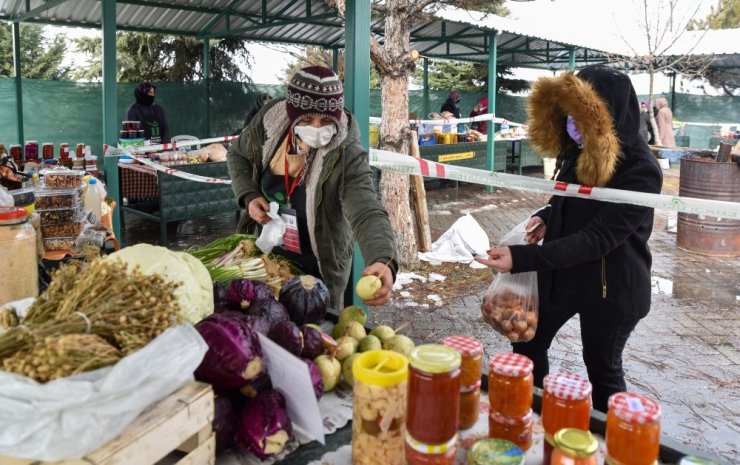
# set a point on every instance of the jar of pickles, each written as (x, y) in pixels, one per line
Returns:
(515, 429)
(379, 408)
(31, 150)
(510, 384)
(471, 369)
(574, 447)
(434, 380)
(566, 403)
(632, 430)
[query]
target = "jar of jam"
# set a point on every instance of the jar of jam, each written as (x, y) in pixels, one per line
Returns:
(16, 152)
(515, 429)
(510, 384)
(471, 362)
(32, 150)
(429, 454)
(566, 403)
(47, 151)
(469, 406)
(434, 380)
(80, 150)
(632, 429)
(495, 452)
(379, 407)
(574, 447)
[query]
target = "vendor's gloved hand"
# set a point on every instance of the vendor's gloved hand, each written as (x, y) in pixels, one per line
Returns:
(258, 209)
(498, 258)
(382, 295)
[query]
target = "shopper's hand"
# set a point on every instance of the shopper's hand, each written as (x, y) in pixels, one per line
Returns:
(535, 230)
(382, 295)
(499, 259)
(258, 209)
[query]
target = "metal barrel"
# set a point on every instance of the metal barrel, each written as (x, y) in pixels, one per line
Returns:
(707, 179)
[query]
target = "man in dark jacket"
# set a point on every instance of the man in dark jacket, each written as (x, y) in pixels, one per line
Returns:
(594, 260)
(151, 115)
(452, 104)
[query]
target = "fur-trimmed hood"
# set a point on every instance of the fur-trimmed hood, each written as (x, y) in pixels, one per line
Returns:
(604, 106)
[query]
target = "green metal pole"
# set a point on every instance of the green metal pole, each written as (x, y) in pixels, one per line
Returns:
(425, 107)
(110, 118)
(491, 144)
(207, 83)
(357, 97)
(572, 59)
(18, 80)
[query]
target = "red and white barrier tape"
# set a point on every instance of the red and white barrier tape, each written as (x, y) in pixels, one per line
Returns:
(174, 145)
(390, 161)
(486, 117)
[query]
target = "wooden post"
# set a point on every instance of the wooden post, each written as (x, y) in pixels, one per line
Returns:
(723, 154)
(419, 202)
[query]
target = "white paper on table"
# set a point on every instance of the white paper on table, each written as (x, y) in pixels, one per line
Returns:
(290, 375)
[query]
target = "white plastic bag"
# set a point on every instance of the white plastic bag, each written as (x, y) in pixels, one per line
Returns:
(511, 302)
(273, 232)
(70, 417)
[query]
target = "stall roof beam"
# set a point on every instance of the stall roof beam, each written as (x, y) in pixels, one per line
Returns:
(315, 20)
(38, 10)
(225, 12)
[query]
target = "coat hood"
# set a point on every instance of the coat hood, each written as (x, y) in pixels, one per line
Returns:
(661, 102)
(604, 106)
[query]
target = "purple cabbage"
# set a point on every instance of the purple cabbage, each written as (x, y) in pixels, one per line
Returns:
(259, 384)
(224, 422)
(316, 379)
(270, 308)
(219, 292)
(234, 352)
(263, 427)
(313, 343)
(306, 299)
(287, 335)
(256, 322)
(242, 292)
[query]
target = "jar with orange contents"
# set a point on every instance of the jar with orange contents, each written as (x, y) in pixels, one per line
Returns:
(510, 384)
(514, 429)
(425, 454)
(469, 406)
(632, 430)
(574, 447)
(471, 361)
(566, 403)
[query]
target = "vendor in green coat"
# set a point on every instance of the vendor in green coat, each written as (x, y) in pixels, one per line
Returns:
(304, 153)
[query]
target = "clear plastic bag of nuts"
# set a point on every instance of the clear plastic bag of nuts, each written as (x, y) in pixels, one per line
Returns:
(510, 305)
(379, 408)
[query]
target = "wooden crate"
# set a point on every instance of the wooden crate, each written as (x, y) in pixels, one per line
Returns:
(179, 422)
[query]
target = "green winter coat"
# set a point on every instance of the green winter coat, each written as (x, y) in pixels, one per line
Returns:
(338, 184)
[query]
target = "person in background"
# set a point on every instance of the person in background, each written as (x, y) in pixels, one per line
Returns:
(304, 153)
(452, 104)
(480, 108)
(149, 114)
(646, 129)
(594, 260)
(664, 120)
(262, 100)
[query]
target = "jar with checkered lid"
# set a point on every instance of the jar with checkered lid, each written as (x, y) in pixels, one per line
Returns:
(566, 403)
(515, 429)
(632, 430)
(510, 384)
(433, 409)
(471, 369)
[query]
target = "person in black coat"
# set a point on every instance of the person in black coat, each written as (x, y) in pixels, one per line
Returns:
(452, 104)
(262, 100)
(594, 260)
(149, 114)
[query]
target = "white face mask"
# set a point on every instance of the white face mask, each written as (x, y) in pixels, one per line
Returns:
(315, 137)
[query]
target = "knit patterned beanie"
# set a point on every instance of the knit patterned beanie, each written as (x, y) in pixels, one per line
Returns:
(315, 91)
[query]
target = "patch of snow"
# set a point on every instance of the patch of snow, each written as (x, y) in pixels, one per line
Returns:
(441, 212)
(405, 294)
(411, 304)
(434, 298)
(708, 270)
(434, 277)
(484, 208)
(408, 278)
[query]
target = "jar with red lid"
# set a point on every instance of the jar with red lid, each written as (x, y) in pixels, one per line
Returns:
(510, 384)
(469, 406)
(574, 447)
(515, 429)
(434, 380)
(47, 151)
(436, 454)
(632, 429)
(16, 152)
(31, 150)
(471, 358)
(566, 403)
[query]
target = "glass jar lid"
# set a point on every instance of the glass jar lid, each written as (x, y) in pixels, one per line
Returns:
(567, 386)
(434, 358)
(380, 368)
(576, 442)
(509, 364)
(467, 346)
(12, 215)
(495, 452)
(634, 408)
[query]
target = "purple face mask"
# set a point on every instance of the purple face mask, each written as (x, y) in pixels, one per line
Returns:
(573, 132)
